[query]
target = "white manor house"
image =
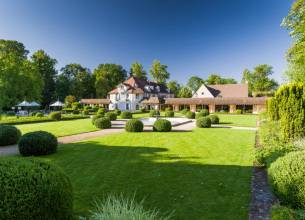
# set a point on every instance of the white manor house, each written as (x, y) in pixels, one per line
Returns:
(136, 93)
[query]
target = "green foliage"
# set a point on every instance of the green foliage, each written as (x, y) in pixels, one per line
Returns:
(184, 111)
(85, 112)
(33, 113)
(273, 109)
(39, 115)
(9, 135)
(111, 116)
(205, 112)
(215, 79)
(102, 111)
(37, 143)
(286, 179)
(174, 86)
(117, 112)
(142, 110)
(88, 107)
(14, 47)
(126, 115)
(184, 92)
(194, 83)
(190, 115)
(162, 125)
(270, 133)
(97, 107)
(203, 122)
(238, 112)
(263, 115)
(75, 112)
(168, 109)
(169, 114)
(266, 104)
(103, 123)
(200, 114)
(33, 188)
(153, 113)
(75, 107)
(159, 72)
(137, 70)
(134, 125)
(95, 117)
(69, 100)
(55, 116)
(284, 213)
(11, 113)
(214, 119)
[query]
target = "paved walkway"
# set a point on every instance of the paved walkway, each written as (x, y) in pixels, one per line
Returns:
(118, 126)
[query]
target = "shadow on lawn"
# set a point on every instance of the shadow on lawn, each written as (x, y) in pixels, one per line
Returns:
(191, 185)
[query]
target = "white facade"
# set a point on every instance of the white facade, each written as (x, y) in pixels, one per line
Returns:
(203, 92)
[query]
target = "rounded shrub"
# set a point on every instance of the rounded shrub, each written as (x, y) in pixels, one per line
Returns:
(203, 122)
(103, 123)
(39, 115)
(55, 115)
(95, 117)
(88, 107)
(126, 115)
(33, 113)
(214, 119)
(184, 111)
(9, 135)
(111, 116)
(190, 115)
(162, 125)
(11, 113)
(205, 112)
(75, 112)
(34, 188)
(85, 112)
(153, 113)
(37, 143)
(75, 107)
(142, 110)
(117, 112)
(238, 112)
(134, 125)
(168, 109)
(102, 111)
(169, 114)
(200, 114)
(286, 179)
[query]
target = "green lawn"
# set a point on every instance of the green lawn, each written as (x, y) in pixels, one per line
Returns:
(238, 120)
(147, 115)
(210, 168)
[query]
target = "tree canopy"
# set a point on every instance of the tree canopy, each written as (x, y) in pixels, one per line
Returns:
(194, 83)
(216, 79)
(101, 83)
(174, 86)
(14, 47)
(137, 70)
(159, 72)
(184, 92)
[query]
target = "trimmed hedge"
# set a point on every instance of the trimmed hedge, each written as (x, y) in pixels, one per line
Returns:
(111, 116)
(75, 107)
(88, 107)
(162, 125)
(142, 110)
(238, 112)
(33, 113)
(203, 122)
(285, 175)
(75, 112)
(169, 114)
(263, 115)
(103, 123)
(85, 112)
(134, 125)
(184, 111)
(205, 112)
(190, 115)
(55, 116)
(214, 119)
(153, 113)
(117, 112)
(102, 111)
(33, 188)
(95, 117)
(11, 113)
(37, 143)
(39, 115)
(126, 115)
(200, 114)
(168, 109)
(273, 109)
(9, 135)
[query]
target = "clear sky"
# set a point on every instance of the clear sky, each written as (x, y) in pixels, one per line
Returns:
(194, 38)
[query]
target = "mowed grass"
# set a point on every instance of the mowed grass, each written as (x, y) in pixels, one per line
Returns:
(143, 115)
(60, 128)
(238, 120)
(200, 174)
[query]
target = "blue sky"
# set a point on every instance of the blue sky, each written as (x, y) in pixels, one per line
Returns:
(194, 38)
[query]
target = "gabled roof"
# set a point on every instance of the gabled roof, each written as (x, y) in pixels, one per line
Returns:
(217, 101)
(96, 101)
(229, 90)
(152, 100)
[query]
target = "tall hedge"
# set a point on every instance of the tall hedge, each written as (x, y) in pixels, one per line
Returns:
(266, 104)
(291, 106)
(273, 109)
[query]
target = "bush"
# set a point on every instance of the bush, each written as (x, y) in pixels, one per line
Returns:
(205, 112)
(270, 133)
(162, 125)
(238, 112)
(169, 114)
(153, 113)
(11, 113)
(190, 115)
(117, 112)
(75, 107)
(102, 111)
(39, 115)
(33, 113)
(134, 125)
(286, 179)
(37, 143)
(203, 122)
(263, 115)
(9, 135)
(273, 109)
(103, 123)
(88, 107)
(142, 110)
(200, 114)
(111, 116)
(33, 188)
(214, 119)
(184, 111)
(168, 109)
(75, 112)
(85, 112)
(95, 117)
(96, 107)
(55, 115)
(126, 115)
(285, 213)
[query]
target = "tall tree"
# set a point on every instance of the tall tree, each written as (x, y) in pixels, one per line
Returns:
(174, 86)
(62, 87)
(47, 69)
(101, 83)
(261, 81)
(27, 81)
(215, 79)
(131, 72)
(138, 71)
(184, 92)
(14, 47)
(159, 72)
(246, 76)
(194, 83)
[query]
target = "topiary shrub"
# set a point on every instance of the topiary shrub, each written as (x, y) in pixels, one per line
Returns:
(75, 112)
(37, 143)
(153, 113)
(33, 113)
(199, 114)
(126, 115)
(190, 115)
(134, 125)
(102, 111)
(39, 115)
(142, 110)
(95, 117)
(168, 109)
(96, 107)
(88, 107)
(169, 114)
(162, 125)
(111, 116)
(55, 115)
(238, 112)
(285, 175)
(203, 122)
(184, 111)
(117, 112)
(9, 135)
(75, 107)
(205, 112)
(214, 119)
(103, 123)
(11, 113)
(85, 112)
(34, 188)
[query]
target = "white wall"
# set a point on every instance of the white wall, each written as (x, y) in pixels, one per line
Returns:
(206, 93)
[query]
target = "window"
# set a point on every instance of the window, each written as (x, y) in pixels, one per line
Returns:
(137, 96)
(117, 96)
(122, 87)
(127, 96)
(127, 106)
(202, 93)
(163, 96)
(137, 107)
(135, 85)
(169, 96)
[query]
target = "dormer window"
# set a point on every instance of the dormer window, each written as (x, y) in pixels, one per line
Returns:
(135, 85)
(122, 87)
(158, 88)
(168, 90)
